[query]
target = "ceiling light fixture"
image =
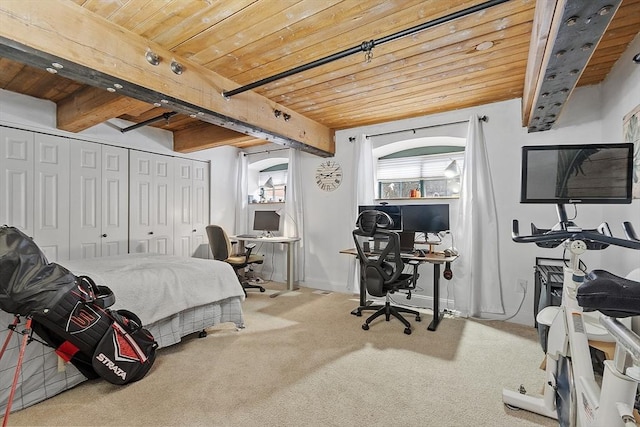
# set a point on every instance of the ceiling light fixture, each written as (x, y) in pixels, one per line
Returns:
(152, 57)
(484, 45)
(636, 58)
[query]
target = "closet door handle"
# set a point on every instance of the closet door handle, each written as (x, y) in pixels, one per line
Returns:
(151, 232)
(194, 230)
(104, 235)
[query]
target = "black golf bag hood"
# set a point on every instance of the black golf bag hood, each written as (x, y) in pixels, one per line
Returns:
(29, 284)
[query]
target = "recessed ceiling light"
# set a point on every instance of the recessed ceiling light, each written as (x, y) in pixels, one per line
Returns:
(484, 45)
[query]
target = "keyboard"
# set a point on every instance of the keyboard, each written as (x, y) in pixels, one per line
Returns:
(247, 236)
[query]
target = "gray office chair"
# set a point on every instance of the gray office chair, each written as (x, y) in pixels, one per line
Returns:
(221, 248)
(382, 267)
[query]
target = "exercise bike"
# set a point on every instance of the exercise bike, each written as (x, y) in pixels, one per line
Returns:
(571, 393)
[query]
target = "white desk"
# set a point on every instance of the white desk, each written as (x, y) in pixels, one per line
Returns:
(290, 242)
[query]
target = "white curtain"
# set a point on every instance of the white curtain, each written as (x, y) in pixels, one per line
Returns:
(364, 191)
(477, 287)
(242, 193)
(293, 221)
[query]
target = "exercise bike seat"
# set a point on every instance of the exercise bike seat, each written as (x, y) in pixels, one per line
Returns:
(609, 294)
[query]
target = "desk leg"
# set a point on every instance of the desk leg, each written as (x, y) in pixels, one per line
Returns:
(437, 316)
(290, 271)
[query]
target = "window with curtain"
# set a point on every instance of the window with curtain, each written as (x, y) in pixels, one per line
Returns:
(272, 182)
(425, 172)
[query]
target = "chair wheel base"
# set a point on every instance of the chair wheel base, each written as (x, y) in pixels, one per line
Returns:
(202, 334)
(418, 319)
(365, 326)
(407, 331)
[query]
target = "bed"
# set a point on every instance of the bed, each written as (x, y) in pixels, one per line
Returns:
(173, 296)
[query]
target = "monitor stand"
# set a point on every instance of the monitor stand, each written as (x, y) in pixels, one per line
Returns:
(563, 220)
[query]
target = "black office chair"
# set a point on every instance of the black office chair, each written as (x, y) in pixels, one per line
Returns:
(382, 267)
(221, 249)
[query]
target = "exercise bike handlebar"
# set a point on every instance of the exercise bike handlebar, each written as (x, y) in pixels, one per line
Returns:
(576, 233)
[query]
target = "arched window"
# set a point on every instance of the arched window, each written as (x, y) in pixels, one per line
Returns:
(424, 168)
(268, 180)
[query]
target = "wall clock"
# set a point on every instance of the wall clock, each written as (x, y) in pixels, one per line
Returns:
(329, 175)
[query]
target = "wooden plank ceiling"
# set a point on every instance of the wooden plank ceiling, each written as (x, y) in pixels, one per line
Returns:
(473, 60)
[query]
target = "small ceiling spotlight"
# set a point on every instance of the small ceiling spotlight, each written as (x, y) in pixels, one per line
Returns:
(117, 85)
(51, 70)
(636, 58)
(484, 45)
(286, 117)
(277, 113)
(57, 65)
(111, 89)
(176, 67)
(152, 57)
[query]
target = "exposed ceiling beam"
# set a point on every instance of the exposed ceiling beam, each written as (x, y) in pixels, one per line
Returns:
(78, 45)
(565, 35)
(204, 135)
(92, 106)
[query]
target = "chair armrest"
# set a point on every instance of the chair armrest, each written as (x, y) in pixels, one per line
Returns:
(248, 248)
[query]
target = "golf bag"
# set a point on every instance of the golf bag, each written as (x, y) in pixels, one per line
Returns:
(70, 313)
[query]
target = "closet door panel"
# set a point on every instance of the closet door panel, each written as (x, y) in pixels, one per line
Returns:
(16, 179)
(51, 211)
(115, 208)
(183, 203)
(151, 202)
(200, 242)
(86, 206)
(140, 231)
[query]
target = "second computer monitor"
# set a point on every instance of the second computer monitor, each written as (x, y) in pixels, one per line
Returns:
(425, 218)
(266, 221)
(394, 212)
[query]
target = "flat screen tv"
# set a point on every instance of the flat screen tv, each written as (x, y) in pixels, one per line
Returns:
(425, 218)
(586, 173)
(392, 210)
(266, 221)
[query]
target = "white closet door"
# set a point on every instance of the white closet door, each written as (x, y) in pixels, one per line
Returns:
(86, 206)
(183, 202)
(51, 192)
(16, 179)
(200, 209)
(151, 203)
(99, 211)
(115, 208)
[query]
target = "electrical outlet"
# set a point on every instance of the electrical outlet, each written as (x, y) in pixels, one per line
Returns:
(521, 286)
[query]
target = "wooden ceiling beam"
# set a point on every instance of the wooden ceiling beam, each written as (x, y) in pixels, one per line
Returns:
(91, 106)
(205, 135)
(565, 35)
(81, 46)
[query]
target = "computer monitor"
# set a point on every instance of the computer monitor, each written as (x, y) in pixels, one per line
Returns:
(393, 211)
(425, 218)
(582, 173)
(266, 221)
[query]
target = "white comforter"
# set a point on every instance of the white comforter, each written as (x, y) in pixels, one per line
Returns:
(157, 286)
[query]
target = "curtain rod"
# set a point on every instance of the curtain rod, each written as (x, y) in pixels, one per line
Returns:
(265, 151)
(481, 118)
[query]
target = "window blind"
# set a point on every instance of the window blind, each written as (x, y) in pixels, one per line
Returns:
(417, 167)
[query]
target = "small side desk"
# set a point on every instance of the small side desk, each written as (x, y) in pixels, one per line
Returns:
(432, 258)
(289, 241)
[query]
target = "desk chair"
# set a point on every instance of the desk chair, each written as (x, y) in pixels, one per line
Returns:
(222, 251)
(382, 267)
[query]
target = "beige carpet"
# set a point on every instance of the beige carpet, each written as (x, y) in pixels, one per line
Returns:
(304, 360)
